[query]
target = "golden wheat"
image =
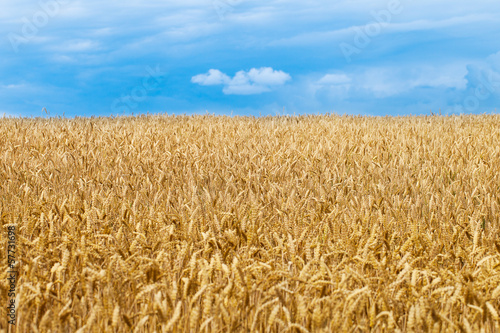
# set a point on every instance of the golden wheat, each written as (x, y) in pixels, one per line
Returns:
(278, 224)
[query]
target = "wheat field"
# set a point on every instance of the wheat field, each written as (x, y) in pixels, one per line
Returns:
(275, 224)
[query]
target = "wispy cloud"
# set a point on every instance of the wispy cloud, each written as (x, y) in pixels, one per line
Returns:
(343, 34)
(13, 86)
(77, 45)
(334, 79)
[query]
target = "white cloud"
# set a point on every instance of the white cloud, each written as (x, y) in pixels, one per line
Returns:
(254, 81)
(267, 76)
(214, 77)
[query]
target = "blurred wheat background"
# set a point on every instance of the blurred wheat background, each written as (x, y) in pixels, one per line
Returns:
(277, 224)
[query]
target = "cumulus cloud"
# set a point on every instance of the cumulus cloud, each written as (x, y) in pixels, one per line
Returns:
(252, 82)
(267, 76)
(212, 78)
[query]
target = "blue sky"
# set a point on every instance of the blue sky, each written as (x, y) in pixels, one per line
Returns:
(249, 57)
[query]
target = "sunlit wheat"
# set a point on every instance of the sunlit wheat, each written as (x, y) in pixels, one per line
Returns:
(279, 224)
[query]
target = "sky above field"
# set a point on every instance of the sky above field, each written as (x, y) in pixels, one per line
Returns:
(244, 57)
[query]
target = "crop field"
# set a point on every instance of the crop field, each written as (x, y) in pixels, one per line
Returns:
(276, 224)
